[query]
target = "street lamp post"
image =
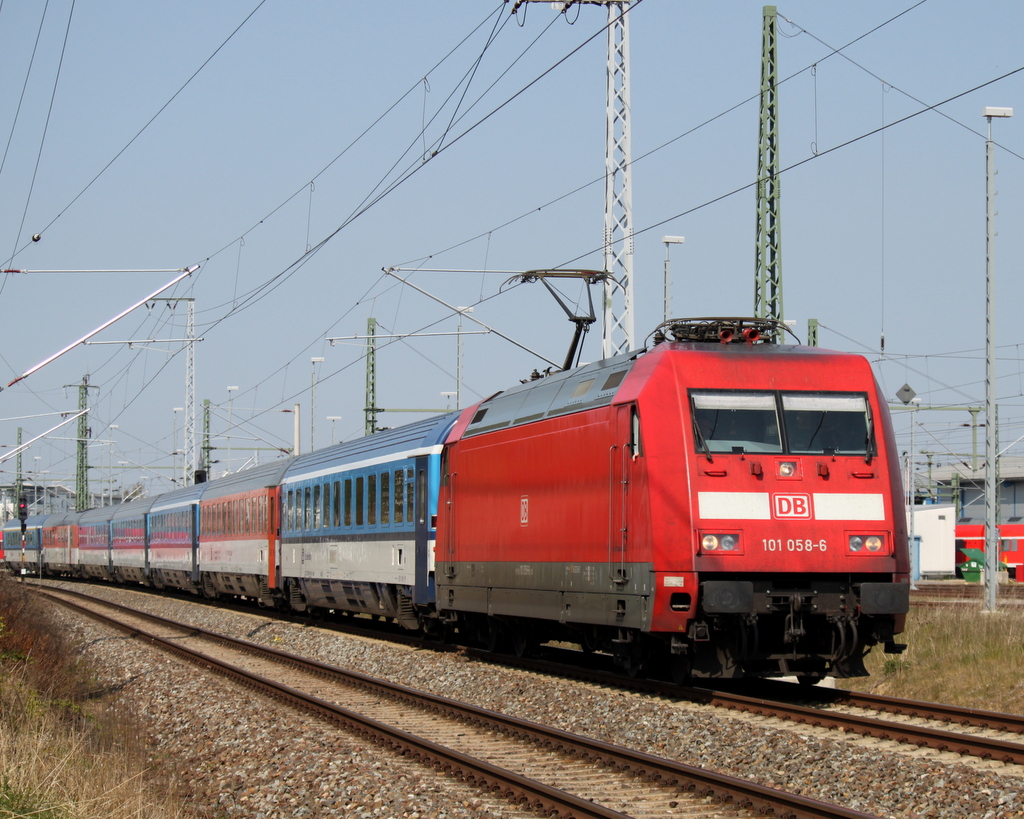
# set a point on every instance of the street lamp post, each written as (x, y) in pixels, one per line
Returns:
(991, 484)
(110, 467)
(231, 401)
(332, 419)
(458, 358)
(669, 240)
(175, 451)
(312, 404)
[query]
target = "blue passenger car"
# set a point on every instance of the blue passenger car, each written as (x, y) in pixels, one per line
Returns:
(358, 524)
(23, 556)
(129, 541)
(174, 539)
(94, 558)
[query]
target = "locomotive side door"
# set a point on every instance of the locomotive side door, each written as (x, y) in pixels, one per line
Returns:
(621, 454)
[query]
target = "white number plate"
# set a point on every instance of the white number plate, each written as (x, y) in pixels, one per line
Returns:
(794, 545)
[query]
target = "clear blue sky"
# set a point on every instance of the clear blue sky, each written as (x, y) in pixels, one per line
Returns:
(235, 135)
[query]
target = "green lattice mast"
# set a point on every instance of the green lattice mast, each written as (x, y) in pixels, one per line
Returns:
(768, 279)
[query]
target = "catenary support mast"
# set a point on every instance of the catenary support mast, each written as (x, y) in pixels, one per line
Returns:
(82, 448)
(768, 267)
(371, 377)
(617, 311)
(618, 190)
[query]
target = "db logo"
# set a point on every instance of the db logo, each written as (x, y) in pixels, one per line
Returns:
(791, 506)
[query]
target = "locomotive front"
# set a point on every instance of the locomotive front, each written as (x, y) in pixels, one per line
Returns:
(794, 558)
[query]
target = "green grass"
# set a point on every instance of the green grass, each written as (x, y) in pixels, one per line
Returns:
(17, 803)
(63, 755)
(956, 654)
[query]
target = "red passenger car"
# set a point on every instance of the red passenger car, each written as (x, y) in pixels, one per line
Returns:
(239, 540)
(724, 503)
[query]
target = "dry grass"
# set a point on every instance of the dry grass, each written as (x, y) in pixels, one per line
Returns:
(62, 754)
(956, 654)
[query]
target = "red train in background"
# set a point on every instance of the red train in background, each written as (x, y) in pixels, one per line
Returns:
(720, 503)
(1011, 553)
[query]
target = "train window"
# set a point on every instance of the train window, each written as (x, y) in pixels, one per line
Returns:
(371, 506)
(399, 495)
(421, 495)
(582, 387)
(316, 507)
(385, 498)
(410, 497)
(826, 423)
(307, 513)
(736, 422)
(336, 497)
(326, 497)
(289, 510)
(614, 380)
(359, 501)
(348, 501)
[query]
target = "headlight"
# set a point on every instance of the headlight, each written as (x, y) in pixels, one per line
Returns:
(787, 469)
(723, 543)
(866, 544)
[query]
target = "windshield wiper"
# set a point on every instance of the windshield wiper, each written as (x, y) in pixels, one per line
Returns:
(700, 440)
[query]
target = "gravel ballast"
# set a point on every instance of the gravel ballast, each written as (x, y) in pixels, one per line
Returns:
(240, 754)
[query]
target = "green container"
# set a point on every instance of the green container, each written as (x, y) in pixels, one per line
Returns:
(972, 571)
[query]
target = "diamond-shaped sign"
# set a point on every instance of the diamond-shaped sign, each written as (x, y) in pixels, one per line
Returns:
(905, 394)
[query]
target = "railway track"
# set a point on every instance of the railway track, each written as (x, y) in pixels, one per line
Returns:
(981, 734)
(985, 735)
(911, 709)
(552, 771)
(949, 590)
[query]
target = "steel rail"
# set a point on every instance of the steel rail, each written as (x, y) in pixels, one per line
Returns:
(919, 736)
(961, 715)
(758, 798)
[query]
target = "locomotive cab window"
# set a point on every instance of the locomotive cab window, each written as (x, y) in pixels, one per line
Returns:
(826, 423)
(736, 422)
(798, 423)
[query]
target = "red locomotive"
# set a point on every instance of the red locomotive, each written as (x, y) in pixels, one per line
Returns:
(721, 503)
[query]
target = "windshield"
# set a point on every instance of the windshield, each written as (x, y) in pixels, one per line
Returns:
(737, 421)
(830, 424)
(811, 423)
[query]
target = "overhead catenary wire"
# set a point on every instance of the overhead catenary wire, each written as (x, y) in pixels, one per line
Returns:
(279, 278)
(24, 86)
(142, 130)
(46, 128)
(304, 188)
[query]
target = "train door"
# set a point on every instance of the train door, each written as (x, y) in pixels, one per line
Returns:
(194, 541)
(423, 591)
(624, 450)
(445, 546)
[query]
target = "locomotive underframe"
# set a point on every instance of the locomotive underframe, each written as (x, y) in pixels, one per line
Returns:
(804, 625)
(754, 625)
